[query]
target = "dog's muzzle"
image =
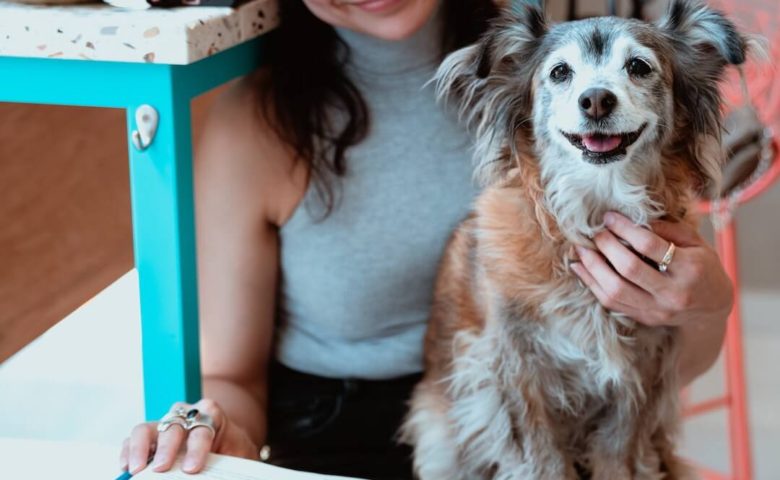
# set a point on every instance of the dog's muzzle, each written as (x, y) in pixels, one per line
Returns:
(601, 148)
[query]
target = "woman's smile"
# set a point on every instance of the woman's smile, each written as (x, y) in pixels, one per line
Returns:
(373, 6)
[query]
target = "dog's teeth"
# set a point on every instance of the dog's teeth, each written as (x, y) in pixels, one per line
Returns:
(601, 143)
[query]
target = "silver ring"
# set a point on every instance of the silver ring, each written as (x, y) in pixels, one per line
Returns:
(179, 412)
(178, 416)
(169, 420)
(196, 419)
(201, 423)
(663, 265)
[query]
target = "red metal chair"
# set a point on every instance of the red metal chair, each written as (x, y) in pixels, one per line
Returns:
(735, 395)
(764, 93)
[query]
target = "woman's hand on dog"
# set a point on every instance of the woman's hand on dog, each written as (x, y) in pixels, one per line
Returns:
(695, 288)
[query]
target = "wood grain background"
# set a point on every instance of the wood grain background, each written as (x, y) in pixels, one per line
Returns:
(65, 231)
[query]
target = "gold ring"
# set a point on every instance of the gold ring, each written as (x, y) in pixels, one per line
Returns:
(663, 265)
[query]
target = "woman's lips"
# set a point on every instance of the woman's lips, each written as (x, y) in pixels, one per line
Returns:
(374, 6)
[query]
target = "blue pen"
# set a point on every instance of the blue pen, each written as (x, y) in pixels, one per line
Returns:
(124, 476)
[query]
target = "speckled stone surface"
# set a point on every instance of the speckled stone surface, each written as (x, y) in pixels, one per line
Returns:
(177, 36)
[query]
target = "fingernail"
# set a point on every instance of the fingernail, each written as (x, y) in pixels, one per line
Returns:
(575, 267)
(609, 218)
(189, 464)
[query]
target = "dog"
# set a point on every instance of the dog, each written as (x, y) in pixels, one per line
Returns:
(527, 375)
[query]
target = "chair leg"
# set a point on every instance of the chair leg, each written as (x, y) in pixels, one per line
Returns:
(741, 464)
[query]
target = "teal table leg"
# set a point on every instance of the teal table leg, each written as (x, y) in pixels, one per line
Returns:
(164, 241)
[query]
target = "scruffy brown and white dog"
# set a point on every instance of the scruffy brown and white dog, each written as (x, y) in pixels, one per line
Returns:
(527, 375)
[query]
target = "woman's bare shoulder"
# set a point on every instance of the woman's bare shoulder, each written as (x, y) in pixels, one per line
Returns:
(240, 152)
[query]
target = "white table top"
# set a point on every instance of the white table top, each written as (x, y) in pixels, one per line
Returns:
(28, 459)
(176, 36)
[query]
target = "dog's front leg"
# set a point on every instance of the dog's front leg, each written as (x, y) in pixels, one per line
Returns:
(538, 435)
(610, 448)
(503, 436)
(500, 414)
(429, 431)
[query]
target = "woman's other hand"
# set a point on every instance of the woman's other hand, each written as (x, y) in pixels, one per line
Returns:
(146, 442)
(694, 293)
(694, 288)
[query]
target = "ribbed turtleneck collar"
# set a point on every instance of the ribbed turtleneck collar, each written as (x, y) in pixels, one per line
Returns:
(385, 57)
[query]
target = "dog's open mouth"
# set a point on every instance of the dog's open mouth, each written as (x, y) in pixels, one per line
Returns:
(601, 148)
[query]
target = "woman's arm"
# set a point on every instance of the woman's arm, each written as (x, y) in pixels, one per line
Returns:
(702, 340)
(246, 186)
(694, 294)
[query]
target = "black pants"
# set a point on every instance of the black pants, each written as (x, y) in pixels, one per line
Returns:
(338, 426)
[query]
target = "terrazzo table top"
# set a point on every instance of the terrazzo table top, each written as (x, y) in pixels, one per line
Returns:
(176, 36)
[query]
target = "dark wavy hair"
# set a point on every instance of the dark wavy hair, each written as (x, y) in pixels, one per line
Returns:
(306, 83)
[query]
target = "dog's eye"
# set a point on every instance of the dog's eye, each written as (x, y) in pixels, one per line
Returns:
(638, 67)
(560, 73)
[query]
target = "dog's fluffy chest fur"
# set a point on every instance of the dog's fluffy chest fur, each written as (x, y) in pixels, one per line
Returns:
(589, 357)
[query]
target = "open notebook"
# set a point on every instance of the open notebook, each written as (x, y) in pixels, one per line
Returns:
(23, 459)
(220, 467)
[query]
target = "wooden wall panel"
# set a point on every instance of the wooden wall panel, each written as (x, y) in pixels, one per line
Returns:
(65, 231)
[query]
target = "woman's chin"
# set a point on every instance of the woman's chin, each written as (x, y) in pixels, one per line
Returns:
(394, 30)
(391, 20)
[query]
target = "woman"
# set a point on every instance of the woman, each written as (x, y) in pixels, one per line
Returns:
(320, 225)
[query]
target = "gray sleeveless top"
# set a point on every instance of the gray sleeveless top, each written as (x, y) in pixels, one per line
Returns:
(356, 287)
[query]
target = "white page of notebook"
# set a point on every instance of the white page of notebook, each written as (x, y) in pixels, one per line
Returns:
(32, 459)
(220, 467)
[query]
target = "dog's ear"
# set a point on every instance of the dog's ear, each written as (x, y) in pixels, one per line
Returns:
(490, 83)
(516, 30)
(705, 30)
(704, 42)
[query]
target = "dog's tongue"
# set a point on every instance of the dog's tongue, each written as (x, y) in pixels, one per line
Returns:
(601, 143)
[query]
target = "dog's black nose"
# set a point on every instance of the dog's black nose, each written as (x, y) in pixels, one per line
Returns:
(597, 103)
